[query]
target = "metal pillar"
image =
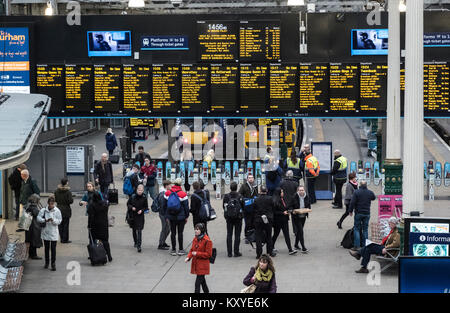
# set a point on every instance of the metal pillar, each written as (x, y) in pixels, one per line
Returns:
(393, 163)
(413, 193)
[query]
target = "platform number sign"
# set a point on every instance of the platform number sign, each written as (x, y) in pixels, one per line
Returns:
(139, 134)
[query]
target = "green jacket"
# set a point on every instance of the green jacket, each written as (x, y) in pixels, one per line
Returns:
(27, 189)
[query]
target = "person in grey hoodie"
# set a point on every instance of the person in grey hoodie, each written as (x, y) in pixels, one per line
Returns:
(350, 188)
(51, 216)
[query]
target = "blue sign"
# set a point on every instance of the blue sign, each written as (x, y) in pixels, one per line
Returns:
(424, 275)
(436, 40)
(164, 43)
(14, 60)
(1, 195)
(429, 244)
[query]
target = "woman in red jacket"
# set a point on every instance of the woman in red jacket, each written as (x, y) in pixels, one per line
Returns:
(200, 253)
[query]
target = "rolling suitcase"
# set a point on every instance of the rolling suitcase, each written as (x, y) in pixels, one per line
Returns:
(97, 253)
(113, 195)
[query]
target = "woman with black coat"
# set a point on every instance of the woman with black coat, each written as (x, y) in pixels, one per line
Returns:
(98, 221)
(281, 219)
(33, 234)
(64, 199)
(137, 205)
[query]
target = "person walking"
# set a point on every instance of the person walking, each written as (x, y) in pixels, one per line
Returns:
(157, 127)
(301, 201)
(176, 206)
(103, 175)
(273, 176)
(98, 221)
(289, 185)
(165, 226)
(263, 222)
(33, 234)
(15, 181)
(133, 177)
(149, 172)
(51, 216)
(350, 188)
(281, 219)
(312, 170)
(360, 203)
(262, 275)
(339, 173)
(200, 253)
(293, 164)
(64, 199)
(141, 156)
(137, 204)
(249, 192)
(197, 199)
(233, 213)
(111, 141)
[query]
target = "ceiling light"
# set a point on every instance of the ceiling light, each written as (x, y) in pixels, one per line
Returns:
(296, 2)
(49, 9)
(136, 4)
(402, 6)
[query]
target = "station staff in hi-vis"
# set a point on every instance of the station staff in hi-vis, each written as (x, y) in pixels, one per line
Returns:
(312, 170)
(339, 173)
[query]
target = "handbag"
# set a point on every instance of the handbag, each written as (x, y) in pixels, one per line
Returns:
(129, 219)
(25, 221)
(249, 289)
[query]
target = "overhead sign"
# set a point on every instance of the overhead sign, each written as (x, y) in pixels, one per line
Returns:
(14, 60)
(164, 43)
(436, 40)
(75, 160)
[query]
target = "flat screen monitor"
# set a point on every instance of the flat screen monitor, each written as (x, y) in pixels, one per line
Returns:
(369, 42)
(427, 237)
(109, 43)
(424, 275)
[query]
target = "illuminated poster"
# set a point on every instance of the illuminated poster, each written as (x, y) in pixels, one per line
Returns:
(15, 60)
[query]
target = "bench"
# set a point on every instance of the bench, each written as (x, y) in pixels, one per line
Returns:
(391, 257)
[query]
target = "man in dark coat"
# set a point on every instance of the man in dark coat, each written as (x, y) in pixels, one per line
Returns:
(98, 221)
(141, 156)
(15, 181)
(263, 222)
(28, 187)
(289, 186)
(103, 174)
(196, 203)
(33, 234)
(64, 199)
(249, 191)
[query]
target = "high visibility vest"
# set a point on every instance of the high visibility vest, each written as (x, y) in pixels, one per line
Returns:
(291, 164)
(311, 164)
(342, 171)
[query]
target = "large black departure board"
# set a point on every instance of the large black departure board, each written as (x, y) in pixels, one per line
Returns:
(136, 86)
(166, 88)
(253, 87)
(259, 41)
(314, 83)
(344, 87)
(283, 88)
(107, 92)
(50, 82)
(224, 87)
(436, 87)
(194, 88)
(373, 87)
(217, 41)
(79, 88)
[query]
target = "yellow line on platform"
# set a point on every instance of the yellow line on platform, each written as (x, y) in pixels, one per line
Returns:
(318, 130)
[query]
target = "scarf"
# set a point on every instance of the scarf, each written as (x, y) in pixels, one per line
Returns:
(387, 237)
(302, 201)
(261, 276)
(200, 237)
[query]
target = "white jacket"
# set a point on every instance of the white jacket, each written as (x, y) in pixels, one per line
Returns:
(50, 232)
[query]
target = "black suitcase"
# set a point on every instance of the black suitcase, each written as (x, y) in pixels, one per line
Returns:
(114, 159)
(97, 253)
(113, 196)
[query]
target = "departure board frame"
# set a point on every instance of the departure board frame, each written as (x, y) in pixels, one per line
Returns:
(205, 42)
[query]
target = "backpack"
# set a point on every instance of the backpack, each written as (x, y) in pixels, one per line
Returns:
(127, 186)
(173, 204)
(206, 212)
(347, 241)
(272, 175)
(233, 209)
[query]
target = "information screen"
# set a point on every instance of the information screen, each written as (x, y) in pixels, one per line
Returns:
(259, 41)
(314, 84)
(253, 91)
(373, 87)
(107, 93)
(142, 122)
(344, 87)
(224, 87)
(50, 82)
(194, 88)
(136, 86)
(79, 88)
(283, 88)
(217, 41)
(166, 88)
(436, 87)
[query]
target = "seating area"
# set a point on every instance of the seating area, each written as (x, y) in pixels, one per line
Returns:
(12, 256)
(376, 235)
